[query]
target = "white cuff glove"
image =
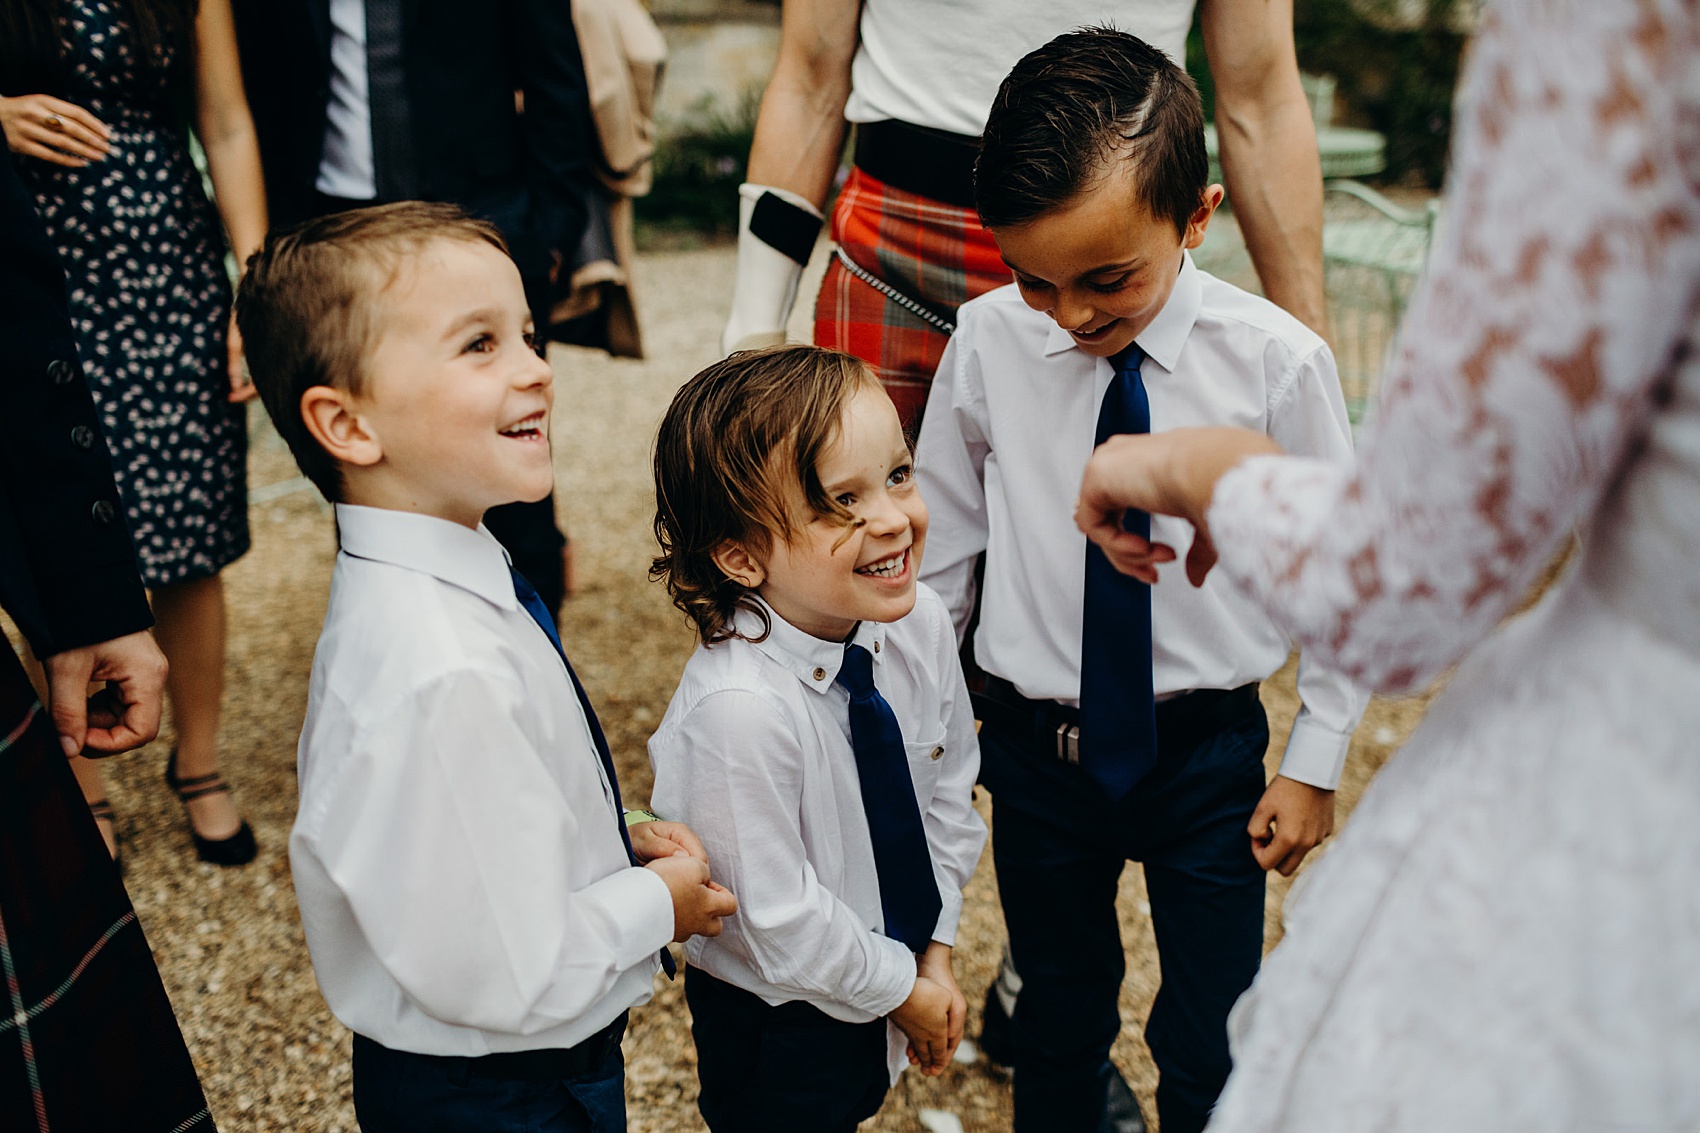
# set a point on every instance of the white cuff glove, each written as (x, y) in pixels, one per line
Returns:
(766, 286)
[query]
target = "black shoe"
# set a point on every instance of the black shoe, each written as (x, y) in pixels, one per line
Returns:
(1121, 1108)
(237, 849)
(997, 1037)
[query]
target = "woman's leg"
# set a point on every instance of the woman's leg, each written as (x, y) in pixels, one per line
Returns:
(189, 619)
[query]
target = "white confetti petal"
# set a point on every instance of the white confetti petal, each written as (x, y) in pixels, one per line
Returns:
(939, 1121)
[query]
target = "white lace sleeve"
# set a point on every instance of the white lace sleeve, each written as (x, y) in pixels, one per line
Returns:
(1559, 295)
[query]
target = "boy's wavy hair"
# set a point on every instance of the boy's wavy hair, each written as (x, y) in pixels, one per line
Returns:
(1075, 105)
(737, 440)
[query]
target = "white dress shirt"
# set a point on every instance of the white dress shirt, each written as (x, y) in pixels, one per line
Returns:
(754, 755)
(939, 63)
(1009, 427)
(457, 853)
(347, 167)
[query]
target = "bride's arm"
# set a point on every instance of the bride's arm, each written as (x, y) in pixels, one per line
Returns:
(1559, 297)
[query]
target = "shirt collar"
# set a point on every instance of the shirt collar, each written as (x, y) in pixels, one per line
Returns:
(471, 560)
(812, 660)
(1163, 339)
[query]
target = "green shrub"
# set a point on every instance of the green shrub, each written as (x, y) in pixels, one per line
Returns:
(699, 163)
(1394, 76)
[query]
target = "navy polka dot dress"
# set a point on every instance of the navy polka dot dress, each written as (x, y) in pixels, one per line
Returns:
(150, 302)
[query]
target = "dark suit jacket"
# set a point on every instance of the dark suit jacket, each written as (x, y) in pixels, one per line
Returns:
(464, 62)
(68, 572)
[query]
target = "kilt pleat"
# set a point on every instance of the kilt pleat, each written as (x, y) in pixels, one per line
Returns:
(933, 253)
(88, 1040)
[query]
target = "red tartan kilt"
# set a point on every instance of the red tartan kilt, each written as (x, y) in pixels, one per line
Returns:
(98, 1048)
(934, 253)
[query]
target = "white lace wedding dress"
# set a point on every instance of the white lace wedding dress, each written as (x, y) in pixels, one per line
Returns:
(1507, 935)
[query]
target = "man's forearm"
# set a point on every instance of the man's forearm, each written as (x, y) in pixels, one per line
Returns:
(799, 135)
(1274, 176)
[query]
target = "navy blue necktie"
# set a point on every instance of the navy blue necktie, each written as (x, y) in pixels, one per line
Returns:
(909, 894)
(1118, 718)
(528, 597)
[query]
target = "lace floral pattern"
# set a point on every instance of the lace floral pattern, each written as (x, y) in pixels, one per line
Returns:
(1504, 935)
(1560, 295)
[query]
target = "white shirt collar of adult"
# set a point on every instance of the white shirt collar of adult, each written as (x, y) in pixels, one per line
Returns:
(1163, 340)
(812, 660)
(441, 548)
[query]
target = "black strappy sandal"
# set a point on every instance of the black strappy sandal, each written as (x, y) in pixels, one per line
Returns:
(101, 811)
(238, 849)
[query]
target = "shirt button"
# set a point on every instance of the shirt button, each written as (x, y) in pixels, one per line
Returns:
(83, 437)
(103, 512)
(876, 647)
(820, 674)
(60, 372)
(938, 754)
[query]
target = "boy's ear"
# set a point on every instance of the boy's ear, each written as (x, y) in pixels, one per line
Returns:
(736, 563)
(1200, 219)
(331, 419)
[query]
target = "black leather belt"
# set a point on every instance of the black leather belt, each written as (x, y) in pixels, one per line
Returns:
(1182, 721)
(928, 163)
(552, 1062)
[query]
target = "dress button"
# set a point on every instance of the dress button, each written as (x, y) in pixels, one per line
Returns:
(103, 512)
(83, 437)
(820, 674)
(60, 372)
(938, 754)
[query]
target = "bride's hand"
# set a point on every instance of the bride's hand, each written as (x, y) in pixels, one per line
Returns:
(1168, 473)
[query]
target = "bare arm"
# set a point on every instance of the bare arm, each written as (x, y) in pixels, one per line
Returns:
(227, 131)
(800, 131)
(1268, 147)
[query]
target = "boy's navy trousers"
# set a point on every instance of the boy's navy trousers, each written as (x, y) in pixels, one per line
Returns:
(580, 1090)
(1059, 844)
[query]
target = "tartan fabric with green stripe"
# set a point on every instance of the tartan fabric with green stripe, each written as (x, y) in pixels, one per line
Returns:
(87, 1038)
(933, 253)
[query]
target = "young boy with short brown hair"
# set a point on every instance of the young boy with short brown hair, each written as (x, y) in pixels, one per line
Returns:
(1121, 721)
(473, 904)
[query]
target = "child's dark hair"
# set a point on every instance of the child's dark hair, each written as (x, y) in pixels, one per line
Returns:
(305, 308)
(737, 437)
(1078, 103)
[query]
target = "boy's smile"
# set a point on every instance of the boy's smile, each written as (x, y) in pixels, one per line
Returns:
(1101, 265)
(457, 398)
(832, 576)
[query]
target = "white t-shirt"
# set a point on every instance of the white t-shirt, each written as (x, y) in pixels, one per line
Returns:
(939, 63)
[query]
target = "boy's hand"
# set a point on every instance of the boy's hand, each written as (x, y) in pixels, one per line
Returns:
(654, 840)
(698, 903)
(935, 964)
(925, 1018)
(1290, 819)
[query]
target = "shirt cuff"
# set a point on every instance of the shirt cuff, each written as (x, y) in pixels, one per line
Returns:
(1315, 755)
(949, 915)
(647, 907)
(893, 978)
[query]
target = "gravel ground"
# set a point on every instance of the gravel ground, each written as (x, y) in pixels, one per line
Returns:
(229, 942)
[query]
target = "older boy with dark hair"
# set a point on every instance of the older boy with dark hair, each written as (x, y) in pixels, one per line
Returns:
(473, 903)
(1121, 721)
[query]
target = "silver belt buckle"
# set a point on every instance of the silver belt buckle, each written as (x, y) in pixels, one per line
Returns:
(1068, 743)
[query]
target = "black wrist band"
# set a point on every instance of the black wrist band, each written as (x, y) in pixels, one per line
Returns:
(784, 227)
